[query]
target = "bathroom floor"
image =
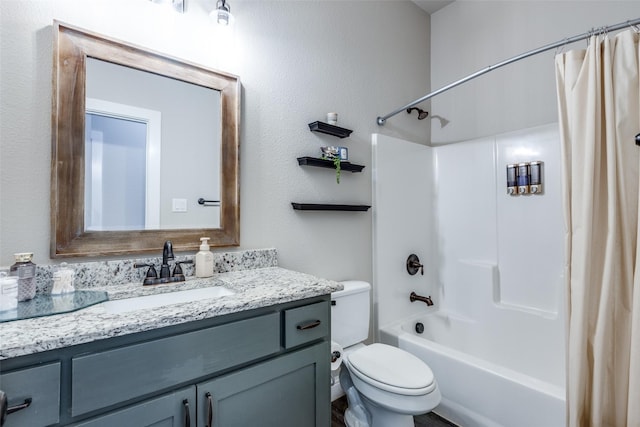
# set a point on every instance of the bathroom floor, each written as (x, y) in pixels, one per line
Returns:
(426, 420)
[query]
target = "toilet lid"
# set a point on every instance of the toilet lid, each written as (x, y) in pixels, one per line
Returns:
(391, 366)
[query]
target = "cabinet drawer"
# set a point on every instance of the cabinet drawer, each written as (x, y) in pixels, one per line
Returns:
(304, 324)
(42, 385)
(107, 378)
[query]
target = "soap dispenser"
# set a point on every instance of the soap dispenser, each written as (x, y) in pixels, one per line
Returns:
(204, 259)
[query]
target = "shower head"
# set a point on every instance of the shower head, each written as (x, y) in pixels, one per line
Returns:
(421, 113)
(638, 139)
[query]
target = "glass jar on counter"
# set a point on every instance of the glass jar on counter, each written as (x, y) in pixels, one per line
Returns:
(25, 270)
(62, 280)
(8, 292)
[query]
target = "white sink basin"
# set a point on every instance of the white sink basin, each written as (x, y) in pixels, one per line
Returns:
(159, 300)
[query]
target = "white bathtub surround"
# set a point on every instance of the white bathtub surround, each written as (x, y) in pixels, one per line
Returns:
(402, 174)
(598, 103)
(493, 265)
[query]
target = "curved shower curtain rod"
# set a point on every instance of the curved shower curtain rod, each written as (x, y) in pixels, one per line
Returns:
(632, 23)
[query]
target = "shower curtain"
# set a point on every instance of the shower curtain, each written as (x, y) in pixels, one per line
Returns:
(599, 109)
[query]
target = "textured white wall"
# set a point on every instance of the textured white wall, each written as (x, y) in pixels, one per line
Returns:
(297, 61)
(468, 36)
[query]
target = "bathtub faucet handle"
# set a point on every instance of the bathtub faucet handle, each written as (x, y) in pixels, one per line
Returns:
(413, 265)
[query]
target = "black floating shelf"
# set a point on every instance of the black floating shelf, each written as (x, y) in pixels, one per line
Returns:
(323, 163)
(329, 129)
(328, 207)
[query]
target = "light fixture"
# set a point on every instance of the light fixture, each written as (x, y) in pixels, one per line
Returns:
(222, 13)
(177, 5)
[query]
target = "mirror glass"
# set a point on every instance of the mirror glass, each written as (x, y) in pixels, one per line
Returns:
(145, 149)
(152, 150)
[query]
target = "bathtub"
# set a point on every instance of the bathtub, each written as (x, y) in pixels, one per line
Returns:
(475, 391)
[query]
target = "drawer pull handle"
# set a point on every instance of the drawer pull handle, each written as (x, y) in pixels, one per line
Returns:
(209, 409)
(310, 325)
(5, 409)
(187, 416)
(26, 404)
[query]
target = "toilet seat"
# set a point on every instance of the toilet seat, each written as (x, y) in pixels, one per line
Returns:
(392, 369)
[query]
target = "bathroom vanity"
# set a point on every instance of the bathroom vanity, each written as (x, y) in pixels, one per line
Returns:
(259, 356)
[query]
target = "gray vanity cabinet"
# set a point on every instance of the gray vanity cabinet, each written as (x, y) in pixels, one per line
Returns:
(262, 367)
(284, 392)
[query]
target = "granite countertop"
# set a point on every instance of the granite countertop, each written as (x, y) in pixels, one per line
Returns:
(253, 288)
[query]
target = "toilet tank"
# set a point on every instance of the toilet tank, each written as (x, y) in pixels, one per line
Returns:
(350, 313)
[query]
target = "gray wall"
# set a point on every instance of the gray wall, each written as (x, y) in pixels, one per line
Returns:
(468, 36)
(297, 61)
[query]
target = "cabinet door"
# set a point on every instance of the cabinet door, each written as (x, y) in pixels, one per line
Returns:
(289, 391)
(176, 409)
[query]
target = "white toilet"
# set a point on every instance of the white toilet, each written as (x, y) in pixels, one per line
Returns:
(393, 384)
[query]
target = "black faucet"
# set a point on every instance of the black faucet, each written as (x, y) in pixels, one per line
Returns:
(165, 272)
(167, 255)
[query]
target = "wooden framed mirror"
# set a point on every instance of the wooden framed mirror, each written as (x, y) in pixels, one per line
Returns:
(166, 207)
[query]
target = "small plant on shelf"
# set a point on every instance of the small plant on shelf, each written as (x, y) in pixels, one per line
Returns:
(332, 153)
(336, 163)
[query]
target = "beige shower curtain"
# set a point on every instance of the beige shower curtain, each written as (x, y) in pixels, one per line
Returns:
(599, 109)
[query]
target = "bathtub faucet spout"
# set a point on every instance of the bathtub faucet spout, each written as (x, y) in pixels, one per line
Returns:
(413, 297)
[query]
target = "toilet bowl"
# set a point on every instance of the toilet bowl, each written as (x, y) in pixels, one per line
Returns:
(392, 384)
